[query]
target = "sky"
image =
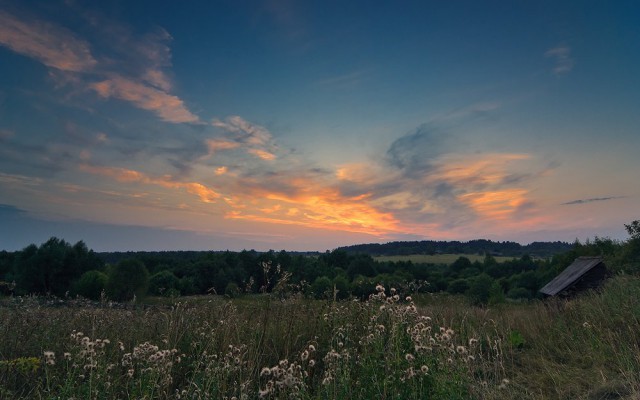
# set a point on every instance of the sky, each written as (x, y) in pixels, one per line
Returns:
(157, 125)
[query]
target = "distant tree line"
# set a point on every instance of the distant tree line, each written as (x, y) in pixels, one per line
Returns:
(479, 246)
(59, 268)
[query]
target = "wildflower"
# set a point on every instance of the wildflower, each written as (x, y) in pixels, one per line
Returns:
(304, 356)
(312, 363)
(461, 350)
(586, 325)
(409, 357)
(265, 371)
(379, 288)
(312, 348)
(49, 357)
(424, 369)
(67, 356)
(408, 298)
(472, 341)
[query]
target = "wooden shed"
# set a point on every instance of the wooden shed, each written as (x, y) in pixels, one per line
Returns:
(584, 273)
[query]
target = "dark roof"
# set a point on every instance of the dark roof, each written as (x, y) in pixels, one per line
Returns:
(571, 274)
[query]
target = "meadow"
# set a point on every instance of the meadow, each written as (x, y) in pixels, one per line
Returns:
(441, 259)
(280, 346)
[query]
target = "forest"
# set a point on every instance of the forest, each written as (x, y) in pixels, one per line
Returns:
(62, 269)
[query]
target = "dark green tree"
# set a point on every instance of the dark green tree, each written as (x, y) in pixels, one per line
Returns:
(322, 287)
(91, 284)
(163, 283)
(127, 279)
(458, 286)
(479, 289)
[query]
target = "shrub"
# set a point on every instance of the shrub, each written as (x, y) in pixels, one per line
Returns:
(91, 284)
(127, 279)
(163, 282)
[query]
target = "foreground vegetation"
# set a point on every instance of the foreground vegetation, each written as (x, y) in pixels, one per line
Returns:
(263, 346)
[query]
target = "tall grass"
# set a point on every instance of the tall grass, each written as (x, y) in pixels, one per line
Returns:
(267, 347)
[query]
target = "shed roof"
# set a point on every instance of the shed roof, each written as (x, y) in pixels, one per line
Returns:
(570, 275)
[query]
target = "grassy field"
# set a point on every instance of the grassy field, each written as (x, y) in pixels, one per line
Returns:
(446, 259)
(391, 346)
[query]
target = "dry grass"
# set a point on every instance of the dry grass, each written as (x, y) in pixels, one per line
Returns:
(386, 347)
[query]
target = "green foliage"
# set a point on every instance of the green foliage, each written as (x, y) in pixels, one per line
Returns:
(516, 340)
(496, 294)
(519, 293)
(127, 279)
(460, 264)
(341, 283)
(322, 287)
(91, 284)
(458, 286)
(163, 283)
(633, 229)
(232, 290)
(52, 267)
(480, 289)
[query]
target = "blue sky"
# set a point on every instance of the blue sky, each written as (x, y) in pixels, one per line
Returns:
(310, 125)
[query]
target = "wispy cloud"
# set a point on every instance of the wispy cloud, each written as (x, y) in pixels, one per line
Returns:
(562, 56)
(168, 107)
(137, 74)
(592, 200)
(205, 193)
(255, 138)
(52, 45)
(246, 131)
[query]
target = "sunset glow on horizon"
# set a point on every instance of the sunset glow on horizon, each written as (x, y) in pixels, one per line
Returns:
(308, 126)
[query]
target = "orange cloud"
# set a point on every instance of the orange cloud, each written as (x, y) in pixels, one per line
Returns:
(484, 169)
(205, 194)
(215, 145)
(265, 155)
(221, 170)
(498, 205)
(52, 45)
(168, 107)
(317, 207)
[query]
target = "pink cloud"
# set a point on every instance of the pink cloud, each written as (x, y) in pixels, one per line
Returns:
(168, 107)
(52, 45)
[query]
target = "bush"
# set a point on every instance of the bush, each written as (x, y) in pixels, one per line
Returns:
(232, 290)
(322, 287)
(479, 290)
(163, 282)
(127, 279)
(519, 293)
(91, 284)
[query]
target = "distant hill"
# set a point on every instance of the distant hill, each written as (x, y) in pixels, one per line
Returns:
(480, 246)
